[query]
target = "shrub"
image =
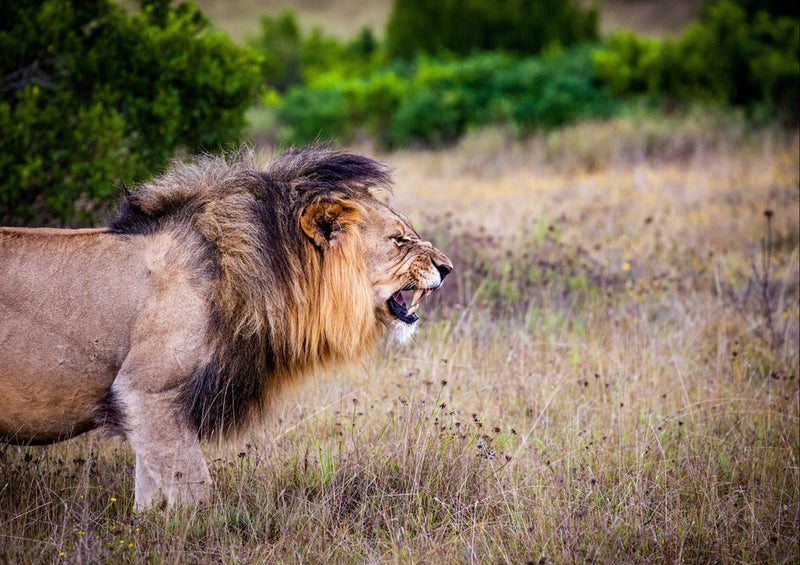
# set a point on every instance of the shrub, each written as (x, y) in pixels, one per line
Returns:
(465, 26)
(528, 93)
(444, 98)
(93, 96)
(374, 102)
(550, 92)
(291, 58)
(434, 102)
(430, 117)
(625, 63)
(281, 48)
(727, 58)
(306, 115)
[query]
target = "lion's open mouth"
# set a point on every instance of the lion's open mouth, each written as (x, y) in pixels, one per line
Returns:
(407, 314)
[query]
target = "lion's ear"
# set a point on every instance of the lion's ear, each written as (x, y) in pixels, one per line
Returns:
(324, 222)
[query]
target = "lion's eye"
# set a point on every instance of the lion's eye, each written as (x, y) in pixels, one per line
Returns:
(400, 239)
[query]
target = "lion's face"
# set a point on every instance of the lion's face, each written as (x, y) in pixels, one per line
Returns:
(402, 268)
(390, 269)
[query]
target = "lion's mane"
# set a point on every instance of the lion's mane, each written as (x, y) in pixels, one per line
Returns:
(274, 294)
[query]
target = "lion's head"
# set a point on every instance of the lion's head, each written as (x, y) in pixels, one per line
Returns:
(403, 268)
(400, 268)
(308, 265)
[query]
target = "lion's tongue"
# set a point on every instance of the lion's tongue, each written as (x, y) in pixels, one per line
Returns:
(398, 297)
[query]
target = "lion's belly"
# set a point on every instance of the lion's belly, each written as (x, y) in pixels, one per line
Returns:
(49, 383)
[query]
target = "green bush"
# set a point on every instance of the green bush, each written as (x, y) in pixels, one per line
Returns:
(94, 96)
(445, 98)
(528, 93)
(429, 116)
(552, 91)
(466, 26)
(434, 102)
(280, 45)
(290, 58)
(726, 58)
(306, 115)
(374, 103)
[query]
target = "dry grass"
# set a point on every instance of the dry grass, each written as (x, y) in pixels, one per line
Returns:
(608, 376)
(341, 18)
(648, 17)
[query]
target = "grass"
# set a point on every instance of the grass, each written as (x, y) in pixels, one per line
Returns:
(609, 375)
(341, 18)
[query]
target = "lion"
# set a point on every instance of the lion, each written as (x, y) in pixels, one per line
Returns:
(216, 284)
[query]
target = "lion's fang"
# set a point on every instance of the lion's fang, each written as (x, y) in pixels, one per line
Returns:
(418, 294)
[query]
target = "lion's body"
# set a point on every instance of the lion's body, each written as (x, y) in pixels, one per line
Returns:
(216, 284)
(67, 318)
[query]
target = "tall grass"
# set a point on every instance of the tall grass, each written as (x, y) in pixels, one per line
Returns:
(597, 381)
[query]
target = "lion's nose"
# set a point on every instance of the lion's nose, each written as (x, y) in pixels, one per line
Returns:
(443, 269)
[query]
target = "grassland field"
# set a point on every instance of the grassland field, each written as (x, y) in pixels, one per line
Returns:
(610, 375)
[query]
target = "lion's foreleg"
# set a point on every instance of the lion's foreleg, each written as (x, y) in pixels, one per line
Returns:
(146, 488)
(172, 472)
(170, 466)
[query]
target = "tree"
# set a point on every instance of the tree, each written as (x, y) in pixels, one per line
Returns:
(465, 26)
(93, 96)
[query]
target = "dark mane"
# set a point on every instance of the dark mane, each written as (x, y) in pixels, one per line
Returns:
(298, 175)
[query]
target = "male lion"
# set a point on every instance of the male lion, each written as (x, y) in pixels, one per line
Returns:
(216, 283)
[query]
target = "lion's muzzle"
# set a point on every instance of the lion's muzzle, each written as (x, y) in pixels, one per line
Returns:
(397, 303)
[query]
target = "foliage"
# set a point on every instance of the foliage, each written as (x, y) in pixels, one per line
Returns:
(308, 115)
(727, 58)
(94, 96)
(465, 26)
(550, 92)
(771, 7)
(433, 102)
(290, 58)
(281, 48)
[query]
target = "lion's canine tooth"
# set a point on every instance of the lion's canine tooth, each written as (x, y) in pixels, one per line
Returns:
(418, 294)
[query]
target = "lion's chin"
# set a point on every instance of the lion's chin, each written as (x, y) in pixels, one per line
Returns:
(398, 314)
(401, 332)
(399, 329)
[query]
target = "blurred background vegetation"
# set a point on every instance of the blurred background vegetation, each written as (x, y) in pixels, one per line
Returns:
(96, 94)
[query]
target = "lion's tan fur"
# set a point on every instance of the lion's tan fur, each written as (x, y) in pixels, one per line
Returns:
(218, 282)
